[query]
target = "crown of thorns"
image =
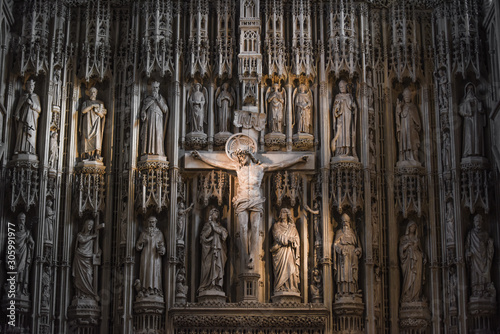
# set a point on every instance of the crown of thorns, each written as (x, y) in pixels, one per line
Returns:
(243, 152)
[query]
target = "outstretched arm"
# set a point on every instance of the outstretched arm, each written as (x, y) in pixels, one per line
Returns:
(284, 164)
(212, 162)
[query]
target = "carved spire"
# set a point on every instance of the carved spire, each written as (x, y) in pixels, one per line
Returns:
(225, 37)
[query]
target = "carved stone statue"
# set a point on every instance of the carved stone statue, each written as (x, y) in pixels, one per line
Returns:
(442, 80)
(347, 251)
(225, 103)
(344, 123)
(286, 253)
(453, 287)
(182, 213)
(56, 99)
(479, 251)
(123, 224)
(46, 287)
(26, 115)
(152, 245)
(407, 128)
(50, 218)
(315, 286)
(92, 126)
(316, 222)
(154, 117)
(213, 253)
(303, 104)
(181, 288)
(248, 202)
(446, 151)
(53, 150)
(413, 261)
(471, 109)
(24, 254)
(87, 256)
(275, 103)
(450, 223)
(198, 108)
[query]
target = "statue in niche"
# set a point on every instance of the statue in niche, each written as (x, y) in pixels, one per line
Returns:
(344, 119)
(303, 104)
(377, 290)
(56, 99)
(471, 109)
(198, 108)
(450, 223)
(151, 244)
(375, 225)
(453, 287)
(92, 126)
(225, 103)
(372, 151)
(26, 115)
(315, 286)
(248, 202)
(446, 151)
(53, 150)
(50, 219)
(413, 263)
(275, 103)
(154, 117)
(347, 251)
(442, 80)
(123, 224)
(479, 251)
(24, 254)
(126, 150)
(213, 253)
(371, 95)
(46, 288)
(407, 128)
(316, 222)
(286, 253)
(181, 288)
(182, 213)
(87, 256)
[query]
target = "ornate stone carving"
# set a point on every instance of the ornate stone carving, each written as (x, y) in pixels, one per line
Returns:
(198, 108)
(152, 186)
(346, 189)
(154, 118)
(213, 259)
(450, 224)
(225, 37)
(181, 288)
(53, 150)
(275, 107)
(442, 81)
(24, 246)
(24, 181)
(275, 39)
(471, 109)
(90, 187)
(182, 214)
(247, 119)
(213, 184)
(286, 258)
(408, 127)
(287, 186)
(303, 108)
(50, 219)
(92, 126)
(198, 43)
(410, 190)
(344, 115)
(225, 103)
(302, 57)
(26, 116)
(475, 180)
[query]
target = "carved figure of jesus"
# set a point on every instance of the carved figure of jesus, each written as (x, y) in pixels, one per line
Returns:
(248, 202)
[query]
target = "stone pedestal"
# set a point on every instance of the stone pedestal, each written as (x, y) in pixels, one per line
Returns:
(414, 316)
(196, 141)
(410, 188)
(249, 284)
(346, 183)
(275, 141)
(90, 180)
(18, 312)
(303, 141)
(348, 312)
(213, 296)
(149, 315)
(152, 184)
(286, 297)
(85, 315)
(24, 180)
(481, 311)
(221, 138)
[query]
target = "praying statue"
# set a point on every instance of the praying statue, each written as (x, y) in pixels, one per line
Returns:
(275, 103)
(151, 244)
(286, 253)
(92, 126)
(26, 115)
(154, 118)
(344, 123)
(471, 109)
(213, 253)
(182, 213)
(303, 104)
(248, 201)
(408, 127)
(198, 108)
(225, 103)
(413, 262)
(347, 251)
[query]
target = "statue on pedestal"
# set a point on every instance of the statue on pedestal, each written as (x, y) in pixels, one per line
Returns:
(154, 117)
(198, 108)
(26, 115)
(53, 150)
(471, 109)
(92, 126)
(50, 218)
(275, 103)
(413, 262)
(24, 245)
(344, 123)
(347, 251)
(408, 126)
(213, 253)
(182, 213)
(479, 252)
(303, 105)
(286, 253)
(225, 103)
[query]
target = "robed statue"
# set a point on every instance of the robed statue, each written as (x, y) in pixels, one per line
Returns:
(344, 122)
(197, 111)
(413, 262)
(24, 246)
(471, 109)
(154, 118)
(303, 107)
(26, 115)
(408, 127)
(92, 126)
(225, 104)
(275, 104)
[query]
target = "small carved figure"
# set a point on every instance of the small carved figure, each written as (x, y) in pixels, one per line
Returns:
(315, 286)
(123, 224)
(249, 202)
(303, 104)
(46, 287)
(347, 251)
(182, 213)
(154, 117)
(56, 99)
(181, 288)
(377, 291)
(225, 103)
(446, 151)
(453, 287)
(275, 104)
(479, 252)
(286, 253)
(344, 120)
(408, 127)
(92, 126)
(198, 108)
(126, 150)
(316, 222)
(370, 93)
(442, 79)
(372, 151)
(471, 109)
(450, 223)
(26, 115)
(151, 244)
(213, 253)
(53, 150)
(50, 218)
(85, 260)
(24, 254)
(412, 264)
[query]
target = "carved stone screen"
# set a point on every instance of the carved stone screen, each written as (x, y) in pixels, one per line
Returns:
(250, 166)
